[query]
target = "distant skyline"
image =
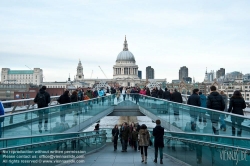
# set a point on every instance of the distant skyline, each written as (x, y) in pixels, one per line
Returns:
(166, 35)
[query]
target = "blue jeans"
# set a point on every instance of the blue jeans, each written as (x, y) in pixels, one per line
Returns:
(222, 122)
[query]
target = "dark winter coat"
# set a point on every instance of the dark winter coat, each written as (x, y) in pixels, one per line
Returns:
(125, 133)
(194, 99)
(113, 91)
(134, 136)
(160, 93)
(166, 95)
(236, 105)
(158, 133)
(73, 98)
(154, 93)
(148, 93)
(216, 102)
(176, 97)
(63, 99)
(46, 94)
(115, 133)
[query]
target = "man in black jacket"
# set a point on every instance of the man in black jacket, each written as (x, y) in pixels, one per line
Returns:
(176, 97)
(158, 133)
(166, 95)
(194, 100)
(216, 102)
(42, 100)
(124, 134)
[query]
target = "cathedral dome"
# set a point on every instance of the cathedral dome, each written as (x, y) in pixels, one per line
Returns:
(125, 56)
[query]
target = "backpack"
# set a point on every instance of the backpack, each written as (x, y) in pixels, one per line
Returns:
(41, 101)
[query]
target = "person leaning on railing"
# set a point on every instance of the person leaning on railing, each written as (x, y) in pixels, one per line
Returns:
(236, 106)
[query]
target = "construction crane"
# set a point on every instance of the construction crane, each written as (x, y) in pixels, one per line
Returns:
(28, 67)
(102, 71)
(91, 74)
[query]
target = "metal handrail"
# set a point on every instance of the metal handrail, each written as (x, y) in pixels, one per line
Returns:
(210, 135)
(54, 141)
(36, 109)
(53, 134)
(206, 143)
(219, 112)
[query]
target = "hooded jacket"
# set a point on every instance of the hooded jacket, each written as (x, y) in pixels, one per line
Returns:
(215, 101)
(194, 99)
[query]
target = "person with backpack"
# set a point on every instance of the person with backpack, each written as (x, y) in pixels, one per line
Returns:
(42, 100)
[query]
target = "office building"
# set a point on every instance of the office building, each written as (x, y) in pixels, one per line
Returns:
(150, 73)
(183, 72)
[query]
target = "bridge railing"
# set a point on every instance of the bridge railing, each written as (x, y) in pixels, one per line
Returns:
(53, 149)
(53, 119)
(12, 106)
(204, 149)
(183, 117)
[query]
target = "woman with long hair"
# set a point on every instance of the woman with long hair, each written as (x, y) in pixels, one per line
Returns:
(115, 134)
(236, 106)
(143, 138)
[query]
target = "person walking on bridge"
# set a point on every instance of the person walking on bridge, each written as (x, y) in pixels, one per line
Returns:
(236, 106)
(176, 97)
(143, 138)
(115, 134)
(158, 133)
(194, 100)
(216, 102)
(42, 100)
(125, 134)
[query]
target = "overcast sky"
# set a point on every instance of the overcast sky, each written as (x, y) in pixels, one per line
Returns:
(55, 34)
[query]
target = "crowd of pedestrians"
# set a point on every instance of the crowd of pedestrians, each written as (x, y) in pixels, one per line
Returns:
(138, 138)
